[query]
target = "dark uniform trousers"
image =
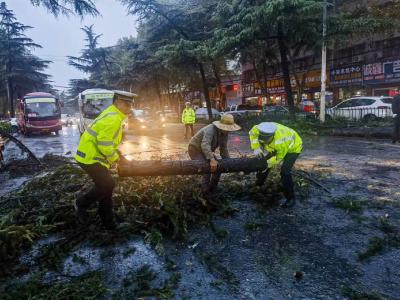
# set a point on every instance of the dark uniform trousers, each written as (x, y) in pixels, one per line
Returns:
(188, 127)
(209, 182)
(286, 175)
(102, 192)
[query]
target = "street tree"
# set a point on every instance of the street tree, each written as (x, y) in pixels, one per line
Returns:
(93, 59)
(188, 26)
(21, 71)
(68, 7)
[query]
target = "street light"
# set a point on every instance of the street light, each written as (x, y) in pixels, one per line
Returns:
(323, 63)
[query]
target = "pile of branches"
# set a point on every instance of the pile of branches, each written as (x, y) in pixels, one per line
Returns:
(165, 205)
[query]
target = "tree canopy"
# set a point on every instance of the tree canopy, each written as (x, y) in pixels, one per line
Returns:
(20, 70)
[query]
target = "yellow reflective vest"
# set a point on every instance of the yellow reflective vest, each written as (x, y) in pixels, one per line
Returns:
(285, 140)
(188, 116)
(100, 141)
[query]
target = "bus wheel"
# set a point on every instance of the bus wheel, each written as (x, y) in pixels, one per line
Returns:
(57, 132)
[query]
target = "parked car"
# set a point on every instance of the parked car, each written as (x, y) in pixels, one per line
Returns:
(202, 113)
(275, 111)
(67, 120)
(362, 108)
(14, 124)
(241, 110)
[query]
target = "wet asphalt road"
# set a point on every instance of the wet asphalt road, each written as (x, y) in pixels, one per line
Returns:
(313, 237)
(137, 145)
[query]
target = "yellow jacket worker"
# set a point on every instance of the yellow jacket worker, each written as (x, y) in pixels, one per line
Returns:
(285, 145)
(97, 151)
(188, 119)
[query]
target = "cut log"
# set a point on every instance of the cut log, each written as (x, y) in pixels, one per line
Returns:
(190, 167)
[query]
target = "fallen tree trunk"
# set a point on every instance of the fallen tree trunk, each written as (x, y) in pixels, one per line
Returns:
(20, 145)
(190, 167)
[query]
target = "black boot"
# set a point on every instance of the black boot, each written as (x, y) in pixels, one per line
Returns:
(289, 203)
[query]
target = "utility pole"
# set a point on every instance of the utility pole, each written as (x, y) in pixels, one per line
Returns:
(323, 64)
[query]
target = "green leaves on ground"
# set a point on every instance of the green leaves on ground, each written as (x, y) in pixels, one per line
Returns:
(87, 286)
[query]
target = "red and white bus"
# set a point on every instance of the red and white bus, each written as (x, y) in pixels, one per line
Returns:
(39, 113)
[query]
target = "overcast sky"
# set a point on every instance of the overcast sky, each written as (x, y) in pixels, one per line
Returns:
(62, 36)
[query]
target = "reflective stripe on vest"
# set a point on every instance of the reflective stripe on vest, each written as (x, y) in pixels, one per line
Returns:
(105, 143)
(110, 155)
(116, 133)
(91, 131)
(100, 159)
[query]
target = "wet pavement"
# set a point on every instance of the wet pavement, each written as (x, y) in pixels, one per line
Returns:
(315, 238)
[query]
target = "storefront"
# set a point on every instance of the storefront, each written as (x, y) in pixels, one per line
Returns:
(382, 79)
(347, 82)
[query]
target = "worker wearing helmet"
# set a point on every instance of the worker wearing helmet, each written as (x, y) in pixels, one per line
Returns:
(97, 151)
(285, 145)
(188, 119)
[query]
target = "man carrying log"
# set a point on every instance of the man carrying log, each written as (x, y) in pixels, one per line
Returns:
(285, 145)
(96, 152)
(206, 141)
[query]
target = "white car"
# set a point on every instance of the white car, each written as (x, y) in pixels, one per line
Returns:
(362, 108)
(243, 110)
(202, 113)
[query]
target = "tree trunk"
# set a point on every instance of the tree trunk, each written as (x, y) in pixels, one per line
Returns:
(190, 167)
(205, 91)
(261, 81)
(285, 70)
(10, 97)
(218, 79)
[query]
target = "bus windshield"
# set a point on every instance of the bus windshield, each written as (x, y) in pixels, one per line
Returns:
(41, 107)
(94, 104)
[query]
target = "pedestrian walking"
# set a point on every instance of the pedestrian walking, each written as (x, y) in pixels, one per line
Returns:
(396, 112)
(96, 152)
(285, 145)
(188, 119)
(203, 144)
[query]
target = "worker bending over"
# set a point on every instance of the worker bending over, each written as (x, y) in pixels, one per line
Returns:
(203, 145)
(285, 145)
(97, 151)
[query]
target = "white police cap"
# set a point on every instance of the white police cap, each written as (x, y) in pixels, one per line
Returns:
(267, 128)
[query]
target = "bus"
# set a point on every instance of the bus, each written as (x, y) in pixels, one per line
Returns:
(91, 103)
(39, 113)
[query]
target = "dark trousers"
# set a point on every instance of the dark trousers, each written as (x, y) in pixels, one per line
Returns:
(102, 192)
(286, 175)
(396, 133)
(187, 128)
(209, 182)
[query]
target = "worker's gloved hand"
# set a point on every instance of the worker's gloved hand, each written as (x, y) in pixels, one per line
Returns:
(213, 165)
(259, 153)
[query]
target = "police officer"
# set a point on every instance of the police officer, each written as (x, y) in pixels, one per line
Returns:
(97, 151)
(285, 145)
(188, 119)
